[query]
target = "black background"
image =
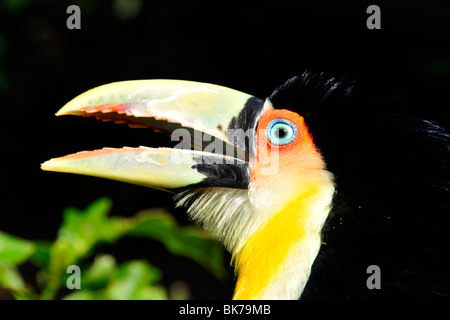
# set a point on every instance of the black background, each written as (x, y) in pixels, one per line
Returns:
(249, 46)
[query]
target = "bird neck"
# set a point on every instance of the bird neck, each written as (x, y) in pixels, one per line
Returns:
(275, 261)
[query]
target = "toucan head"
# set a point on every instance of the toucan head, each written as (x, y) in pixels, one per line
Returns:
(249, 169)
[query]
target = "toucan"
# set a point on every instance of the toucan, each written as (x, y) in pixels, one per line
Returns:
(311, 190)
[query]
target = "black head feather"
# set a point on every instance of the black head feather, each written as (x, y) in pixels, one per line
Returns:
(391, 206)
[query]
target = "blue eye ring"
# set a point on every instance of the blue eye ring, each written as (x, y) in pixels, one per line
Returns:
(277, 126)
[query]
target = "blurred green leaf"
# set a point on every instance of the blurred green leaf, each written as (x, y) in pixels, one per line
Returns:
(41, 256)
(85, 295)
(79, 233)
(133, 280)
(14, 250)
(102, 270)
(188, 241)
(82, 230)
(11, 280)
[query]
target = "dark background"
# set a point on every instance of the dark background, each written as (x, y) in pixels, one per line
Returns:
(253, 48)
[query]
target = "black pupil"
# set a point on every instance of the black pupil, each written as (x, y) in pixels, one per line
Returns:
(281, 133)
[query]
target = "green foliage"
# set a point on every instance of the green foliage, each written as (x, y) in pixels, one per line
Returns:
(134, 280)
(13, 250)
(187, 241)
(80, 233)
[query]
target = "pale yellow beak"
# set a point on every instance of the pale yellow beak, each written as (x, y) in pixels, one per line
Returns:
(167, 105)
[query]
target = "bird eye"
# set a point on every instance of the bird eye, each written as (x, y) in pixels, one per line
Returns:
(281, 131)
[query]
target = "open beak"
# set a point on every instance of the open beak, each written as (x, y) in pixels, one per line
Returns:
(207, 117)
